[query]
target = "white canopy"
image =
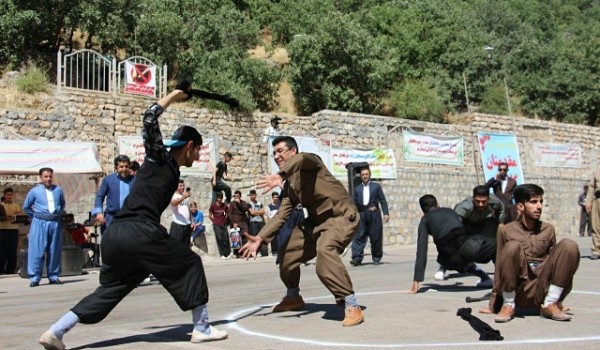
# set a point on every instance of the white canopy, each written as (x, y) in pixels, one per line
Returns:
(23, 157)
(72, 162)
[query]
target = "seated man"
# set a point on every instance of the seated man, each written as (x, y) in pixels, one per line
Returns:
(457, 249)
(481, 214)
(532, 270)
(82, 237)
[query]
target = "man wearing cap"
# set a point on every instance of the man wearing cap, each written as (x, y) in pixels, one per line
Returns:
(135, 241)
(272, 130)
(332, 222)
(114, 188)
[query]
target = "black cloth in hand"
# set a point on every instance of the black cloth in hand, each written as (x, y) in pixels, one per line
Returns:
(485, 331)
(232, 102)
(185, 85)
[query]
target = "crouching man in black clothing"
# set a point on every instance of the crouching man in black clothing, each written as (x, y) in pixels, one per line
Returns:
(136, 245)
(457, 249)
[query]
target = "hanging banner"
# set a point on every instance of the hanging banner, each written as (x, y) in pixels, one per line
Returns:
(433, 149)
(140, 79)
(320, 147)
(500, 148)
(133, 147)
(562, 155)
(381, 161)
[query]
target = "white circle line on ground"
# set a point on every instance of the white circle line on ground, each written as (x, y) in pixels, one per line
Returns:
(235, 325)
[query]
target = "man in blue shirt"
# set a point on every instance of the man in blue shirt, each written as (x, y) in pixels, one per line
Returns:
(44, 205)
(114, 188)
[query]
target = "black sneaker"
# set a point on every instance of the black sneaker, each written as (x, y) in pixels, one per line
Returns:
(56, 281)
(34, 284)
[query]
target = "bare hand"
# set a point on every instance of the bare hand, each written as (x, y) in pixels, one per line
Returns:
(414, 288)
(251, 247)
(268, 182)
(100, 220)
(386, 218)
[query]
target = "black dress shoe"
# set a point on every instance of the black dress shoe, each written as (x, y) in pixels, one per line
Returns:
(355, 262)
(56, 281)
(34, 284)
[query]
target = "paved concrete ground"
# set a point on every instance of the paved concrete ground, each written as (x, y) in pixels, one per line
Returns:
(242, 292)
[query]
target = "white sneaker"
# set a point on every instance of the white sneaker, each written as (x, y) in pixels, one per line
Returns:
(51, 342)
(146, 281)
(215, 334)
(489, 283)
(439, 275)
(223, 257)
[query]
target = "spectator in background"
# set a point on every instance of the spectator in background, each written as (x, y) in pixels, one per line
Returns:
(114, 189)
(238, 215)
(503, 186)
(257, 220)
(272, 130)
(219, 175)
(370, 201)
(592, 206)
(197, 217)
(134, 167)
(181, 226)
(217, 213)
(9, 233)
(271, 210)
(81, 236)
(44, 204)
(584, 218)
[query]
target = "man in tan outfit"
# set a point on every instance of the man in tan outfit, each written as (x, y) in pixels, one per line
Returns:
(532, 270)
(592, 205)
(331, 224)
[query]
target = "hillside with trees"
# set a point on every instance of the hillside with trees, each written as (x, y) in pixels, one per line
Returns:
(407, 58)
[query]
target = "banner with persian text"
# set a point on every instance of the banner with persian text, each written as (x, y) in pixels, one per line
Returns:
(562, 155)
(500, 148)
(381, 161)
(133, 147)
(433, 149)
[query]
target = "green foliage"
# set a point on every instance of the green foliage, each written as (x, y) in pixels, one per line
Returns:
(416, 100)
(338, 65)
(344, 54)
(494, 101)
(32, 80)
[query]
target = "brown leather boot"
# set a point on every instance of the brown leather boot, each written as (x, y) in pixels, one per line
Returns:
(507, 312)
(354, 317)
(289, 304)
(552, 311)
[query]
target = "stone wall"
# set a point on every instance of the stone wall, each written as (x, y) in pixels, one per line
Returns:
(103, 118)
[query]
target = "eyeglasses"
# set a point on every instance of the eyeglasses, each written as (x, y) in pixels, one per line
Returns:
(280, 151)
(503, 169)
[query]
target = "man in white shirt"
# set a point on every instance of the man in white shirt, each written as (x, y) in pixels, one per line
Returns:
(181, 226)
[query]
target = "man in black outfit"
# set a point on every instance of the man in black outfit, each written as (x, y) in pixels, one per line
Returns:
(136, 245)
(457, 249)
(221, 174)
(369, 197)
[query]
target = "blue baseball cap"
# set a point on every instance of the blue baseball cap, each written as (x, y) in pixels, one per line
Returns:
(183, 135)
